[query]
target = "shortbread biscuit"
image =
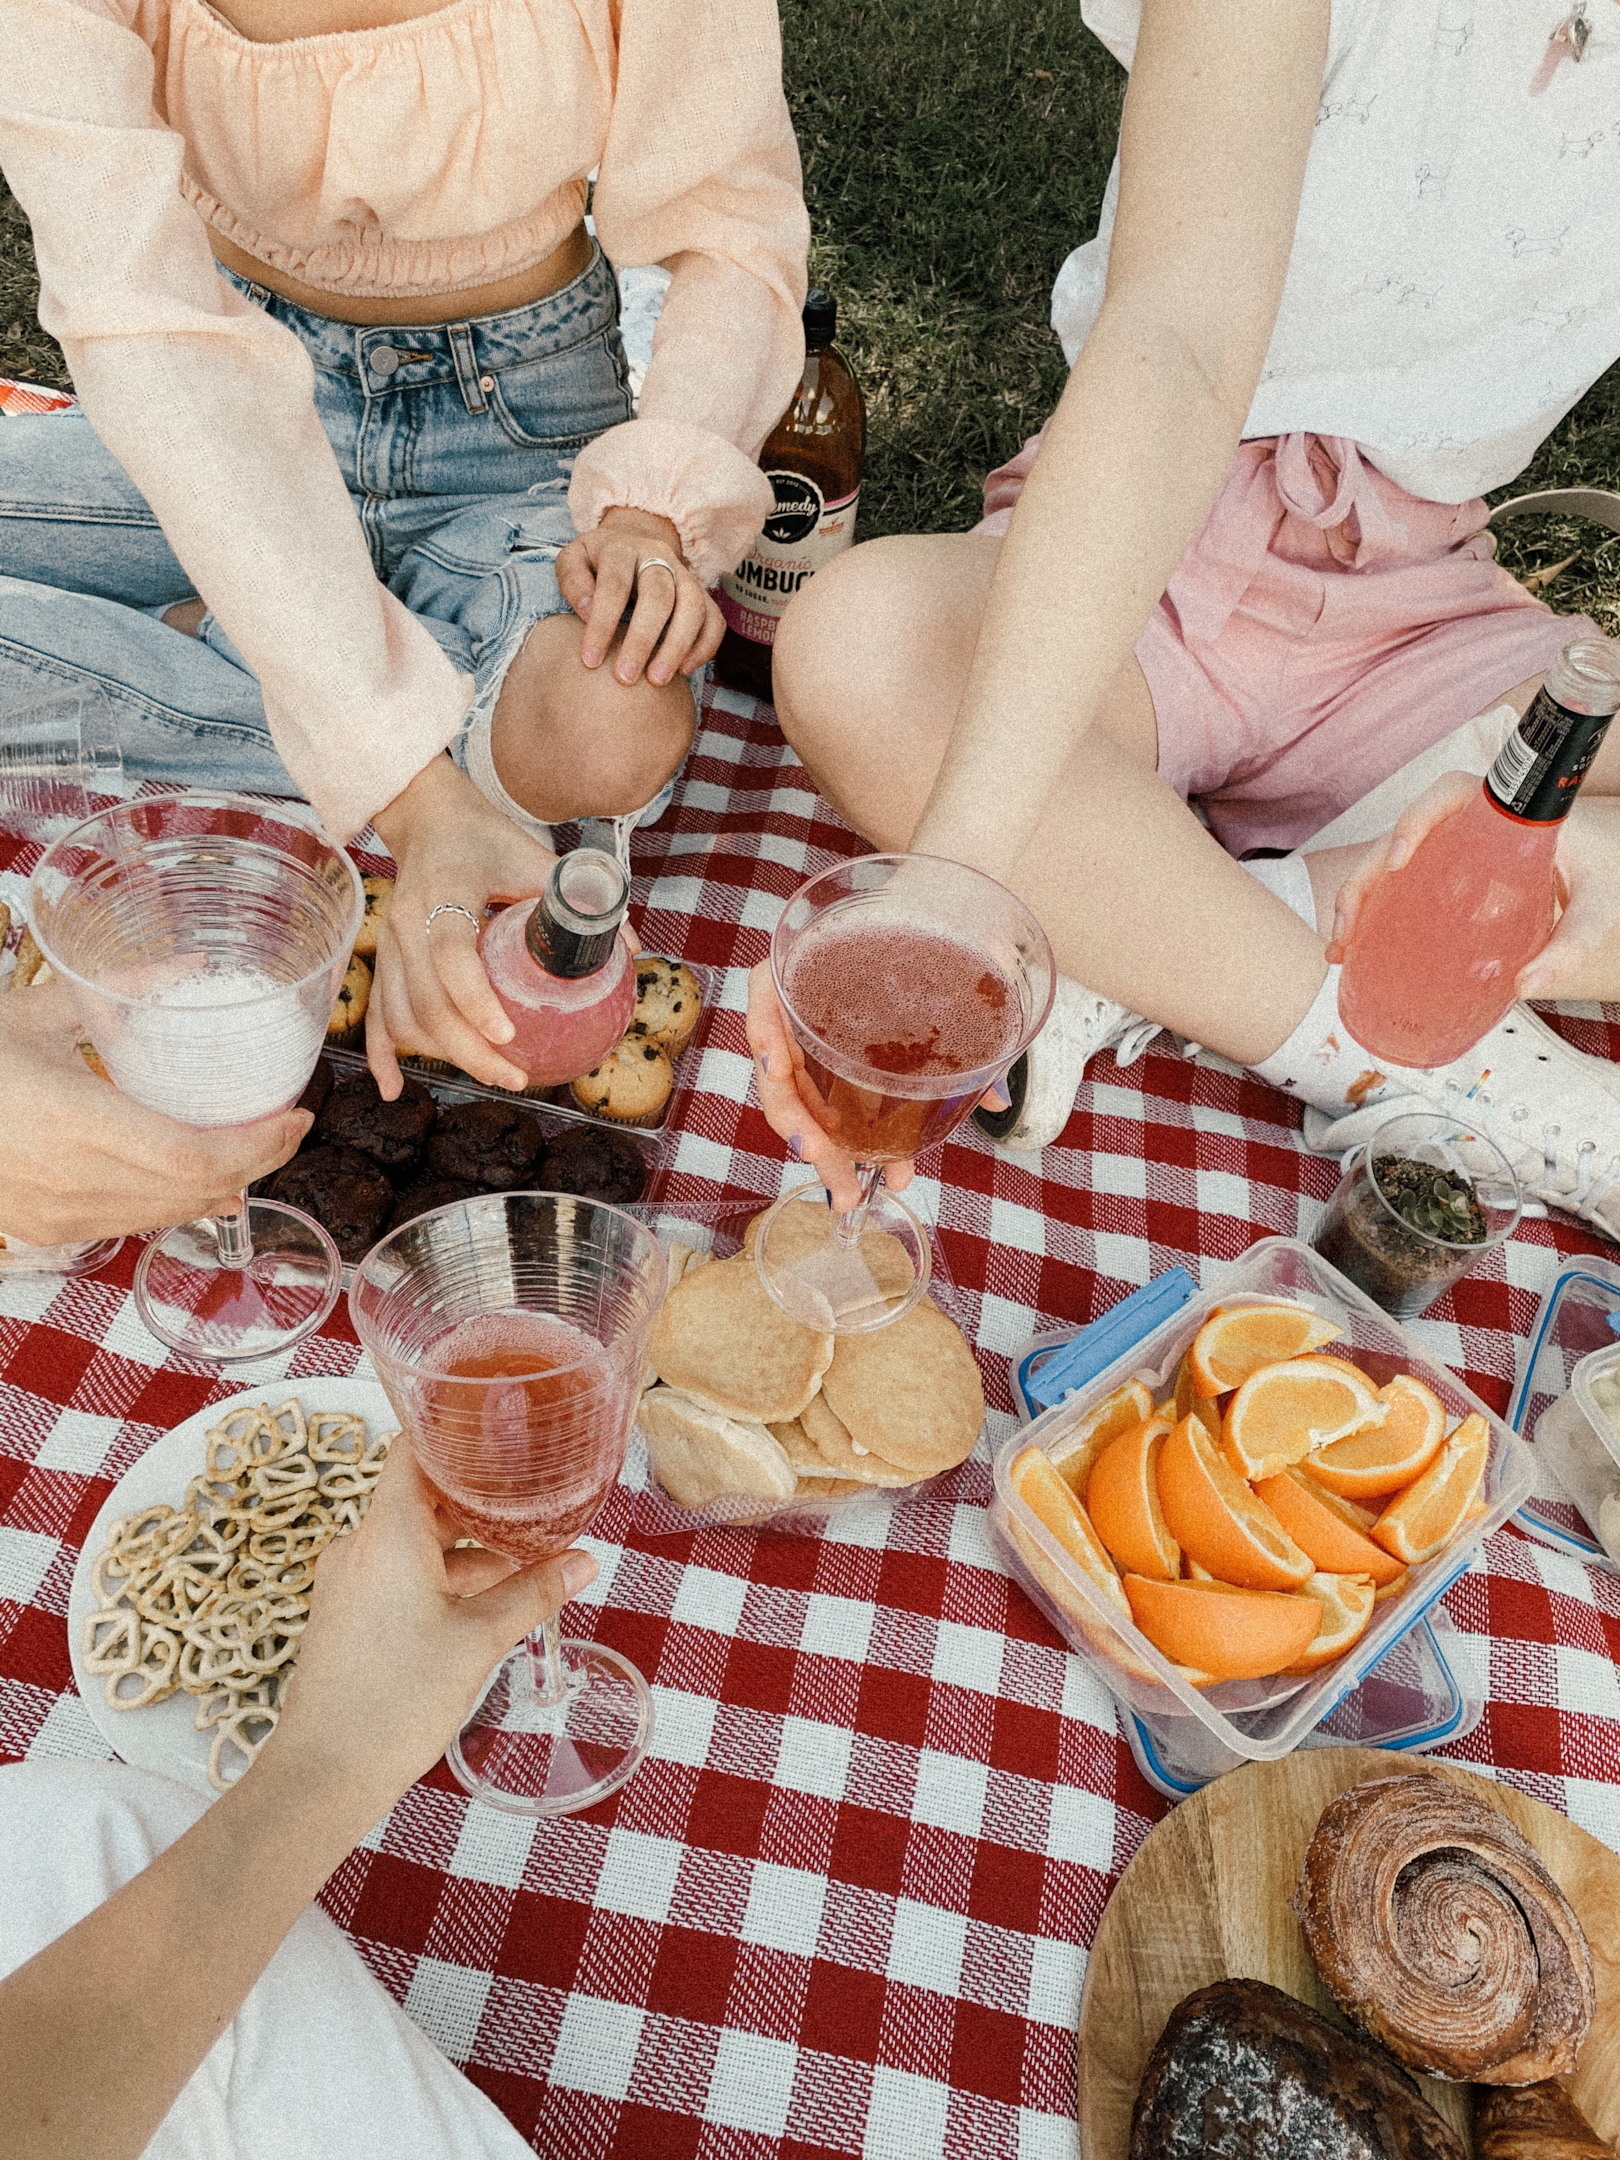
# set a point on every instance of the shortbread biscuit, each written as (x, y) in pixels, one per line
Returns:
(723, 1339)
(840, 1455)
(909, 1393)
(698, 1453)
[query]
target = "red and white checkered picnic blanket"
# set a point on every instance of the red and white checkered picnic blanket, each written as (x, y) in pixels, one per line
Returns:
(845, 1906)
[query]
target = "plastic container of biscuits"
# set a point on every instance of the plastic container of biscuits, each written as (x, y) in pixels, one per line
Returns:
(709, 1449)
(1260, 1719)
(1558, 1408)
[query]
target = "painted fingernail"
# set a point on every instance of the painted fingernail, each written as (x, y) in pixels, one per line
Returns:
(1399, 852)
(658, 675)
(796, 1146)
(578, 1569)
(765, 1063)
(589, 657)
(582, 606)
(499, 1031)
(998, 1098)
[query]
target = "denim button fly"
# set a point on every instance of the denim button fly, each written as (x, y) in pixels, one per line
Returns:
(384, 359)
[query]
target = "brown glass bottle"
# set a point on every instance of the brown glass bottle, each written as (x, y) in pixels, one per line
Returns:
(812, 459)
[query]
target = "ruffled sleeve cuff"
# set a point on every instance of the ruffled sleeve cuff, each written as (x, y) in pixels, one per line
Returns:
(716, 498)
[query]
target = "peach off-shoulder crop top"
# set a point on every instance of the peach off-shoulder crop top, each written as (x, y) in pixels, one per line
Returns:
(441, 153)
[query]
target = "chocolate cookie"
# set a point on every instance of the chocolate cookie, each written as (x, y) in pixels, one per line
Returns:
(596, 1165)
(423, 1198)
(319, 1087)
(490, 1144)
(345, 1192)
(393, 1134)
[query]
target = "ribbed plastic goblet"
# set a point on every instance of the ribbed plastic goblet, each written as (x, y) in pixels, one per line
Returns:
(510, 1333)
(201, 940)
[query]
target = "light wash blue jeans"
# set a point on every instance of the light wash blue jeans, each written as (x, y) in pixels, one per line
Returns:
(457, 442)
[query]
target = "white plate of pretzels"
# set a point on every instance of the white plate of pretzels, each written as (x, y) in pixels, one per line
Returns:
(192, 1588)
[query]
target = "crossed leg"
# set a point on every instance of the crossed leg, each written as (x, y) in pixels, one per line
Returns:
(1139, 900)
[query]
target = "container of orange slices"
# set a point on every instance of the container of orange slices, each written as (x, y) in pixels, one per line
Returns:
(1243, 1515)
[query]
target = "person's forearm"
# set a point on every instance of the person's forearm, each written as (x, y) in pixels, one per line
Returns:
(100, 2031)
(1131, 462)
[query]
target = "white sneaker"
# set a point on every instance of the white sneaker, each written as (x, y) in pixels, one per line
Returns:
(1044, 1081)
(1553, 1111)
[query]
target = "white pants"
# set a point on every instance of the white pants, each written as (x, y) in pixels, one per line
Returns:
(318, 2064)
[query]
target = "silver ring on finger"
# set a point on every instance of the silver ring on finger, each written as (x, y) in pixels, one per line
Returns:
(451, 907)
(657, 562)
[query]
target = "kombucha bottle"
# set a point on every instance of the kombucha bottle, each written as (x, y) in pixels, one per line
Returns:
(561, 970)
(1441, 941)
(812, 459)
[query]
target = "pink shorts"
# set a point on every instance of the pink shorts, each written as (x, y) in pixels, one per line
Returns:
(1324, 627)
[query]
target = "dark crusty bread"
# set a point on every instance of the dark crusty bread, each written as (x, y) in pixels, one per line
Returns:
(1244, 2072)
(1533, 2122)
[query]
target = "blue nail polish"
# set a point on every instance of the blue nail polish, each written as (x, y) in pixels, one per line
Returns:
(796, 1146)
(765, 1063)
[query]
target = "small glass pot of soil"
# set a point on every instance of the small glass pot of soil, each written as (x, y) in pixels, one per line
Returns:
(1418, 1206)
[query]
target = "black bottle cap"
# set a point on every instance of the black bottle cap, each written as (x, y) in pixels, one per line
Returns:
(820, 318)
(577, 917)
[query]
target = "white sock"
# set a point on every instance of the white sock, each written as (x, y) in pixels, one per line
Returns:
(1321, 1062)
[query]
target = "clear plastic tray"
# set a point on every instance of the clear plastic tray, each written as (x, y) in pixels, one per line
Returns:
(1568, 1456)
(1257, 1720)
(556, 1102)
(1420, 1695)
(720, 1227)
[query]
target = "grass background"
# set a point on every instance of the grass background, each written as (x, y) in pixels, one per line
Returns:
(954, 151)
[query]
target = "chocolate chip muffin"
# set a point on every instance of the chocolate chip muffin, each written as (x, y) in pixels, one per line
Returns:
(631, 1085)
(596, 1165)
(669, 1002)
(346, 1030)
(489, 1144)
(423, 1198)
(393, 1134)
(344, 1190)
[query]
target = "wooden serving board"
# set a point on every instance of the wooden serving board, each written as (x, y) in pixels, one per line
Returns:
(1207, 1897)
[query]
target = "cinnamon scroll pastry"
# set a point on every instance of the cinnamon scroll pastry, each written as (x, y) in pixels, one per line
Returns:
(1438, 1930)
(1534, 2122)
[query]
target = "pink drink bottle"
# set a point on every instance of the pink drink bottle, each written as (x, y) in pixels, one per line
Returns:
(1440, 942)
(561, 969)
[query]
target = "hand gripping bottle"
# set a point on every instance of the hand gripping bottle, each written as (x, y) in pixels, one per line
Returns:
(561, 970)
(1440, 942)
(812, 458)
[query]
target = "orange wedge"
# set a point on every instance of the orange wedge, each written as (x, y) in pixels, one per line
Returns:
(1322, 1524)
(1283, 1411)
(1347, 1603)
(1187, 1399)
(1220, 1523)
(1073, 1454)
(1390, 1455)
(1052, 1504)
(1237, 1340)
(1122, 1500)
(1230, 1634)
(1419, 1521)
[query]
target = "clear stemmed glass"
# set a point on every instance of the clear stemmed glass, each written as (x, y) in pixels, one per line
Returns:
(510, 1333)
(201, 940)
(909, 984)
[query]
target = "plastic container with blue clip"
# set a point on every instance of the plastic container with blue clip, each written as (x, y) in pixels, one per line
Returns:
(1406, 1685)
(1576, 1330)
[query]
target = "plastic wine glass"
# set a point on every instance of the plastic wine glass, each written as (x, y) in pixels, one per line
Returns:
(201, 940)
(910, 984)
(510, 1333)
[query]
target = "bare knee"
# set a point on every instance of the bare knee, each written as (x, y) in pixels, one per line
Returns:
(572, 742)
(837, 641)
